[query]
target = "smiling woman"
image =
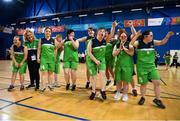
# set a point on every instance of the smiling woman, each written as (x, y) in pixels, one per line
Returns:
(32, 44)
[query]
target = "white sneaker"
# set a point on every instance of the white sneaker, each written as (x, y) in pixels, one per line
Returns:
(42, 90)
(125, 98)
(117, 96)
(56, 84)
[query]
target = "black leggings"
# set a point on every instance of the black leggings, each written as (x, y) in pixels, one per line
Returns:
(33, 68)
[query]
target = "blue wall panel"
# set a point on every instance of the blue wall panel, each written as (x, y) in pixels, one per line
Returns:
(73, 5)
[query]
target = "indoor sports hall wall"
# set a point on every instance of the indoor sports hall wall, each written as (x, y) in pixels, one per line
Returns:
(50, 7)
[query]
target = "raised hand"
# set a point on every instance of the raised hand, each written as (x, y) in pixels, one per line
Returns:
(130, 23)
(138, 33)
(114, 24)
(170, 33)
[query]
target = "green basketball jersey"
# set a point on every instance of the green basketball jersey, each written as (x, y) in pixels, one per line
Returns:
(70, 53)
(47, 50)
(32, 45)
(146, 54)
(123, 59)
(18, 53)
(99, 49)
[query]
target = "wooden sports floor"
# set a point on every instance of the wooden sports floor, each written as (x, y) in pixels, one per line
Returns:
(67, 105)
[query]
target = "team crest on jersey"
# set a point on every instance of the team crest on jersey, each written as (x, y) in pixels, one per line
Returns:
(152, 46)
(126, 46)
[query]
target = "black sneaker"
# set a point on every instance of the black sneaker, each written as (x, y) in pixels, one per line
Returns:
(67, 86)
(73, 87)
(108, 82)
(114, 83)
(92, 96)
(134, 92)
(22, 88)
(36, 88)
(103, 94)
(141, 101)
(11, 87)
(87, 85)
(50, 88)
(159, 103)
(29, 86)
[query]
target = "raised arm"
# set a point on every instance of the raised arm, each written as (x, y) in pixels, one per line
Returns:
(164, 41)
(133, 30)
(114, 24)
(83, 39)
(133, 40)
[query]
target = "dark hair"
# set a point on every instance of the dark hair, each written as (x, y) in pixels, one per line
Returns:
(48, 28)
(147, 32)
(100, 28)
(90, 28)
(69, 31)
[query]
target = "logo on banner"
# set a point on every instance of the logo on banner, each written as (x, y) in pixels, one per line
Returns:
(138, 22)
(155, 21)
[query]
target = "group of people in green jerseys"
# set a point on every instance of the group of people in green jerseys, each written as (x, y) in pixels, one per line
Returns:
(105, 56)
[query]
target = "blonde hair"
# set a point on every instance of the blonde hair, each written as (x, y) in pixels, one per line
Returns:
(58, 36)
(25, 34)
